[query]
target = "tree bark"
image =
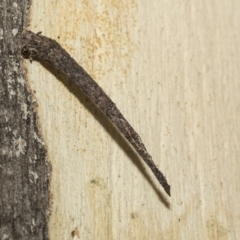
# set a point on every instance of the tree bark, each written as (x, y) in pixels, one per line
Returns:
(24, 171)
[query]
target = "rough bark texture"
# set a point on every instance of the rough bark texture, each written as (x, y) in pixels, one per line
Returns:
(24, 172)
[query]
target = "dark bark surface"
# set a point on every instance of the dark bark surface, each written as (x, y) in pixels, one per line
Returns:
(24, 171)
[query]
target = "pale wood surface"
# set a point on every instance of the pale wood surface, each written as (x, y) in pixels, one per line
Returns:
(172, 68)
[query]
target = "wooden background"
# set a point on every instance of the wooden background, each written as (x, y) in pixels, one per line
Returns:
(172, 68)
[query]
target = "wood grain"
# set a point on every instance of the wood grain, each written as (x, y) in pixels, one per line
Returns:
(173, 69)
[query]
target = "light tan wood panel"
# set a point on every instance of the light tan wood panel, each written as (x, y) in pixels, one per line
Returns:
(172, 68)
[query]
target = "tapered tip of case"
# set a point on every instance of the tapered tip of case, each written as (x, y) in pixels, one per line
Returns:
(167, 189)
